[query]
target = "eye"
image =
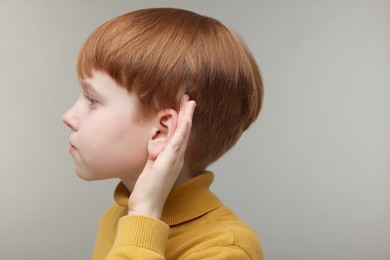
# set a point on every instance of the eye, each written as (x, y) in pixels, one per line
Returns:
(91, 100)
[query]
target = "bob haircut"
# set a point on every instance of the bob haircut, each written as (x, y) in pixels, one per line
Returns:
(162, 53)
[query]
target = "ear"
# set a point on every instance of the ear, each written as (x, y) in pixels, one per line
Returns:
(164, 127)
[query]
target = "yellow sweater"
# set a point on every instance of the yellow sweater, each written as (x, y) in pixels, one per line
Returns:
(194, 225)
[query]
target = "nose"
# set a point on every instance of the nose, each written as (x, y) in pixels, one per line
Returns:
(71, 119)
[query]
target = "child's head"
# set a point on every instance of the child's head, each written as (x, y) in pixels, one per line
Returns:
(160, 54)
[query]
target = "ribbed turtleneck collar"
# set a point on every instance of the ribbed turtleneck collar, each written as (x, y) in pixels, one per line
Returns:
(186, 201)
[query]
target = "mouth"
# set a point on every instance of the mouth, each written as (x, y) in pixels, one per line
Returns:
(72, 148)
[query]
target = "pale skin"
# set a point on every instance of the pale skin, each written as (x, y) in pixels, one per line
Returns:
(107, 142)
(161, 173)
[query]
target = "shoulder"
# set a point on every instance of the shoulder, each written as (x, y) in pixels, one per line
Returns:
(221, 234)
(224, 223)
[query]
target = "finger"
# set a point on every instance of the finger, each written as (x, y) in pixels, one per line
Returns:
(182, 133)
(183, 101)
(185, 115)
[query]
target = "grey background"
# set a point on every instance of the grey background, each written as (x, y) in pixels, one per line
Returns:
(311, 176)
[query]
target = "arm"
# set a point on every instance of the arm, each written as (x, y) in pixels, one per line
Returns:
(139, 237)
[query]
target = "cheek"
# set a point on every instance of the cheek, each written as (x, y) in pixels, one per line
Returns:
(114, 150)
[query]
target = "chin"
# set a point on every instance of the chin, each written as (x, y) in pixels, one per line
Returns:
(86, 177)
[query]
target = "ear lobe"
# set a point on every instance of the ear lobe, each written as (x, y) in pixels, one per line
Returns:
(163, 129)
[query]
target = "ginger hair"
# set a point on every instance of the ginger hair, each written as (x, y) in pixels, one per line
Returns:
(163, 53)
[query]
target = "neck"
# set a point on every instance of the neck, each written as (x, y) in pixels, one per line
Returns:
(184, 175)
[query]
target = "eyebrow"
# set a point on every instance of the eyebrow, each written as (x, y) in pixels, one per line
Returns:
(89, 87)
(85, 85)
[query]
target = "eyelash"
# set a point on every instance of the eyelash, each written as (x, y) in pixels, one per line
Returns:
(91, 99)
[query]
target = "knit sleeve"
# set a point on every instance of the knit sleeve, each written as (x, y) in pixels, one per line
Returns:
(225, 252)
(139, 237)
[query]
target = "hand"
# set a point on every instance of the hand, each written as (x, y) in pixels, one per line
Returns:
(160, 174)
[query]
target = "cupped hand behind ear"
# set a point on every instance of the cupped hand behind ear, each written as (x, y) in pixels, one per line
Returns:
(160, 173)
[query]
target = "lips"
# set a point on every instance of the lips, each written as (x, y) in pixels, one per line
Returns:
(72, 148)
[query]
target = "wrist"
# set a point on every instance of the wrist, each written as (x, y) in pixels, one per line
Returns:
(152, 213)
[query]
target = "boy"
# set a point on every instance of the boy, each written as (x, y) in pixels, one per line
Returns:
(141, 74)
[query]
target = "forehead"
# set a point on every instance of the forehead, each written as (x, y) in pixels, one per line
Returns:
(97, 80)
(102, 84)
